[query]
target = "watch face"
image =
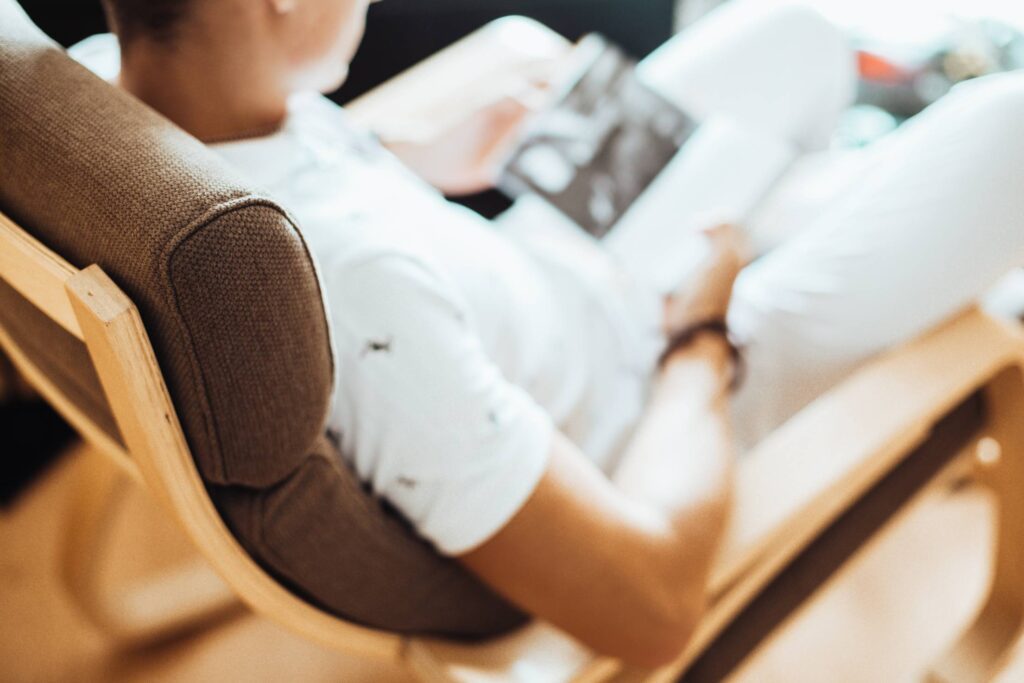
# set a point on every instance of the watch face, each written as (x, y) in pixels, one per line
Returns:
(600, 143)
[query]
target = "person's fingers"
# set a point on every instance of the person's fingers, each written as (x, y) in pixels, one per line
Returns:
(718, 230)
(509, 112)
(505, 122)
(728, 238)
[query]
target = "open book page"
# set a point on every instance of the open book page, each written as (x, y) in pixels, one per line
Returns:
(624, 163)
(600, 143)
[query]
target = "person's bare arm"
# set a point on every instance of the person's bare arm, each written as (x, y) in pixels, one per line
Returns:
(622, 564)
(465, 157)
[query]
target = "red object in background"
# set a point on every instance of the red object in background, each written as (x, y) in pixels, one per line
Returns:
(873, 67)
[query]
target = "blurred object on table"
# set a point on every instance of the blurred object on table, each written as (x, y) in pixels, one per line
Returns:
(905, 77)
(862, 124)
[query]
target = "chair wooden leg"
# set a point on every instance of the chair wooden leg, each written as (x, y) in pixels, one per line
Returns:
(982, 650)
(163, 605)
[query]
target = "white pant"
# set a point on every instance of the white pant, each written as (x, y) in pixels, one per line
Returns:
(911, 233)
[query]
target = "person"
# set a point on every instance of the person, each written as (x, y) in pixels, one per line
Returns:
(507, 391)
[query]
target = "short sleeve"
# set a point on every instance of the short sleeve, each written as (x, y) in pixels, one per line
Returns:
(425, 416)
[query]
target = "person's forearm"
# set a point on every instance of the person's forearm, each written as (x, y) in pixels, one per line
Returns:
(680, 460)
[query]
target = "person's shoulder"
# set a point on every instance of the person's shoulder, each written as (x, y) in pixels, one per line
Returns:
(319, 116)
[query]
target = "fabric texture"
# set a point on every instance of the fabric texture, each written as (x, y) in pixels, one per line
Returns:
(231, 301)
(388, 574)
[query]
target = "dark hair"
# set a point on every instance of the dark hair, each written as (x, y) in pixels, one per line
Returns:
(153, 19)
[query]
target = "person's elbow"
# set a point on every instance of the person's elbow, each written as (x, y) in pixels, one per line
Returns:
(662, 605)
(655, 634)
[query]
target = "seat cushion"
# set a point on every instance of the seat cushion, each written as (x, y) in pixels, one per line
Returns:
(230, 297)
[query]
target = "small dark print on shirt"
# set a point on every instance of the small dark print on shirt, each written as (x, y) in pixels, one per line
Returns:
(378, 346)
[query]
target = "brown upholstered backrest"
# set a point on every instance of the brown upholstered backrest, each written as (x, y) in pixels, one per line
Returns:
(231, 301)
(220, 276)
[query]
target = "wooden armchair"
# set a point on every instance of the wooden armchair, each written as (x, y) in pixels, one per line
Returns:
(808, 497)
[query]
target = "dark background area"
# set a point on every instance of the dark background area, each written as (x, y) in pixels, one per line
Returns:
(399, 34)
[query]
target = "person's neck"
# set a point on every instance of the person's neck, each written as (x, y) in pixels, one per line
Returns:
(212, 93)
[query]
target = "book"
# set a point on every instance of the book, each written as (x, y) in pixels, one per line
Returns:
(601, 142)
(615, 152)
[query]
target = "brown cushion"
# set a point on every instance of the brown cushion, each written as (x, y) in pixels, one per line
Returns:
(300, 524)
(223, 282)
(230, 298)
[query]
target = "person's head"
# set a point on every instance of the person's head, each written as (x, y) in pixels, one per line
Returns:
(307, 44)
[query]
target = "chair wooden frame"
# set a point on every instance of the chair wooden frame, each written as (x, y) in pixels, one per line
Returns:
(791, 489)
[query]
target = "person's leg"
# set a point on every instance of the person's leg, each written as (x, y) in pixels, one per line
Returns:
(783, 70)
(938, 218)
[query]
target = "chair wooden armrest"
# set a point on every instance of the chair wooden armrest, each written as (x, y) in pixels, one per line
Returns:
(790, 489)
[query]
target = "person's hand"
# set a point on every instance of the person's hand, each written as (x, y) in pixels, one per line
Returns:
(707, 291)
(465, 156)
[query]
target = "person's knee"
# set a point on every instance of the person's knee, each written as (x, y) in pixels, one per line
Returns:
(822, 52)
(996, 110)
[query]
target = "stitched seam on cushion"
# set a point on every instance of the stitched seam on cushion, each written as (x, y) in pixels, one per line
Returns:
(171, 296)
(321, 293)
(167, 253)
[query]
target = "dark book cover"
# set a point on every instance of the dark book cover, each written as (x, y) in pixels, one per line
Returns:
(600, 142)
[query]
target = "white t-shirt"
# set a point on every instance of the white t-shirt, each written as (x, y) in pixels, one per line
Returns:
(461, 344)
(460, 347)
